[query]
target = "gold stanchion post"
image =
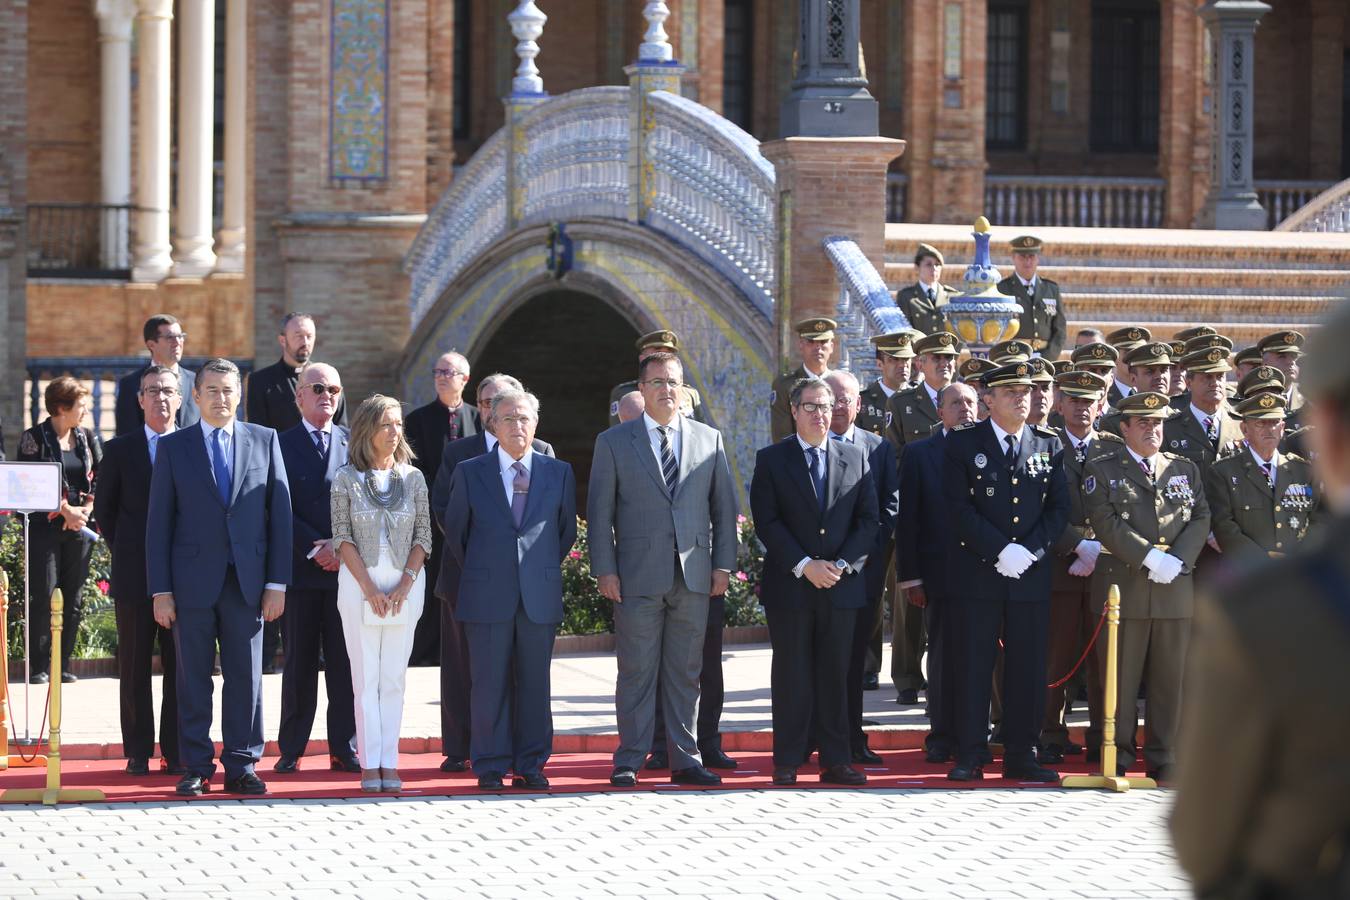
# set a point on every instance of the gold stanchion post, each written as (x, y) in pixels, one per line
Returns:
(53, 793)
(1108, 778)
(8, 760)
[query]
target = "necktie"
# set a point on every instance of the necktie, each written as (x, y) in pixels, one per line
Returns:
(219, 466)
(1212, 431)
(1011, 454)
(1080, 452)
(836, 437)
(818, 475)
(452, 431)
(932, 296)
(520, 489)
(154, 440)
(1148, 469)
(1270, 473)
(670, 470)
(321, 443)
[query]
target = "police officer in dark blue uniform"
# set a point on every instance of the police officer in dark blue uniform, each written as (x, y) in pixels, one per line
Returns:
(1010, 503)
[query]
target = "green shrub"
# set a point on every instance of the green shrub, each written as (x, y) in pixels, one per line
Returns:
(97, 635)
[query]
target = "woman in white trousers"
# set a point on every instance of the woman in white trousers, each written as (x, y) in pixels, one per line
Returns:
(382, 532)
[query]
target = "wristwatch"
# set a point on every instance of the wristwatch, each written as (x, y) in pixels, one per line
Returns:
(841, 565)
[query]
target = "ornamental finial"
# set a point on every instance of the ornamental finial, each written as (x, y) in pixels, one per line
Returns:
(655, 47)
(527, 24)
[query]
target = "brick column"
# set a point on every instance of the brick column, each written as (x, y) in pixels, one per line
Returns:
(1183, 132)
(1328, 35)
(944, 48)
(825, 186)
(13, 198)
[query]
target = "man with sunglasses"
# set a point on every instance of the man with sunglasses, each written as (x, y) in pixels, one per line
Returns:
(313, 451)
(165, 339)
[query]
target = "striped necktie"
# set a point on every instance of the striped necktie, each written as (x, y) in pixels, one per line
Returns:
(670, 469)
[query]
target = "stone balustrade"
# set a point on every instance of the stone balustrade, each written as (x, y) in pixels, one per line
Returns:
(865, 307)
(1038, 200)
(1329, 211)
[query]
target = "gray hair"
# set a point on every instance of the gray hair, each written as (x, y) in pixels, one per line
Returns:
(805, 384)
(846, 379)
(499, 381)
(959, 387)
(514, 395)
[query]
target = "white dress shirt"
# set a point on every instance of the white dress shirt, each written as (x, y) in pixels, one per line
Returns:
(932, 394)
(1002, 436)
(1151, 462)
(505, 462)
(327, 429)
(885, 390)
(824, 448)
(1273, 462)
(1201, 416)
(654, 437)
(491, 441)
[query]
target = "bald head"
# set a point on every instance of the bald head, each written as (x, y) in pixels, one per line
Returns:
(318, 390)
(631, 406)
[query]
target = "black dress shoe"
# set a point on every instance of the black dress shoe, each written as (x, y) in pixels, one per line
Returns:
(695, 775)
(69, 677)
(287, 765)
(1160, 774)
(784, 775)
(138, 766)
(192, 786)
(1092, 754)
(966, 773)
(248, 783)
(842, 774)
(871, 682)
(1122, 769)
(171, 768)
(1051, 754)
(659, 759)
(937, 756)
(39, 678)
(343, 763)
(1030, 772)
(866, 755)
(454, 764)
(716, 759)
(1072, 749)
(535, 782)
(491, 781)
(908, 697)
(271, 669)
(623, 776)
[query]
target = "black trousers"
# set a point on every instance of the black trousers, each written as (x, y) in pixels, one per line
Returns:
(57, 558)
(271, 641)
(312, 626)
(456, 683)
(711, 688)
(942, 675)
(426, 647)
(1026, 626)
(809, 680)
(857, 665)
(137, 632)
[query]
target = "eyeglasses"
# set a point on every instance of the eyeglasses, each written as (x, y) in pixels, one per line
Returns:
(843, 402)
(178, 337)
(664, 383)
(513, 421)
(813, 408)
(447, 373)
(159, 391)
(320, 389)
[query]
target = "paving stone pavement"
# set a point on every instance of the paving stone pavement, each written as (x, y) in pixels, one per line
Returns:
(985, 844)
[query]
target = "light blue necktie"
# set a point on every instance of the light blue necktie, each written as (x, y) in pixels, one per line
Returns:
(154, 440)
(220, 467)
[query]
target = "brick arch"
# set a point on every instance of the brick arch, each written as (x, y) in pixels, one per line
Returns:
(651, 281)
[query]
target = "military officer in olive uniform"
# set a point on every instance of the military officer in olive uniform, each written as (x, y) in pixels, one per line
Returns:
(1148, 509)
(1124, 340)
(1262, 806)
(913, 413)
(691, 404)
(815, 345)
(925, 302)
(972, 372)
(1044, 325)
(1245, 360)
(1099, 359)
(1203, 431)
(1283, 350)
(1262, 501)
(895, 354)
(1148, 368)
(1005, 352)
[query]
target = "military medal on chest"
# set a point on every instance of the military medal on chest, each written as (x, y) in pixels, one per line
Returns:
(1178, 491)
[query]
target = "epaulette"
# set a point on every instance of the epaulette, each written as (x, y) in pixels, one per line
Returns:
(1109, 436)
(1044, 432)
(1048, 280)
(963, 427)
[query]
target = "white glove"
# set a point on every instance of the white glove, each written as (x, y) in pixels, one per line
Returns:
(1016, 559)
(1083, 568)
(1163, 568)
(1088, 551)
(1005, 571)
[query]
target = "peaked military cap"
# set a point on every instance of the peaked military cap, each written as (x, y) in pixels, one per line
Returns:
(1281, 342)
(1018, 373)
(817, 329)
(1215, 359)
(1081, 384)
(1147, 404)
(665, 340)
(1261, 380)
(973, 370)
(1026, 244)
(1156, 353)
(1208, 341)
(1060, 366)
(1178, 348)
(1247, 355)
(943, 343)
(929, 250)
(1125, 339)
(1010, 351)
(1042, 372)
(1095, 354)
(899, 344)
(1261, 406)
(1189, 334)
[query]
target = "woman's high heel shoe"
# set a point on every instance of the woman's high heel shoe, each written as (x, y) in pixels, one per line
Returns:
(390, 781)
(370, 781)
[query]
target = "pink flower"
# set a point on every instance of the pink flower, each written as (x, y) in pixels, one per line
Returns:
(575, 554)
(740, 519)
(103, 586)
(741, 576)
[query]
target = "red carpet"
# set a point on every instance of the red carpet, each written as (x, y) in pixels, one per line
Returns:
(567, 772)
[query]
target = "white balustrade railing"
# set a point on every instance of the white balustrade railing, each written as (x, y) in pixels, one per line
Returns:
(1329, 211)
(576, 156)
(1038, 200)
(864, 309)
(714, 193)
(1284, 198)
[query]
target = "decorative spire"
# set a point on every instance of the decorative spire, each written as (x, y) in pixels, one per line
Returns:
(655, 47)
(527, 24)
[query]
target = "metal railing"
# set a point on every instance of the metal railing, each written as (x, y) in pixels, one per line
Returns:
(897, 196)
(864, 308)
(79, 240)
(1284, 198)
(100, 375)
(1075, 201)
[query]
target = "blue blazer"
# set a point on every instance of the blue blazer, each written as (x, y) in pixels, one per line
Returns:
(886, 475)
(923, 528)
(790, 524)
(501, 565)
(310, 477)
(190, 534)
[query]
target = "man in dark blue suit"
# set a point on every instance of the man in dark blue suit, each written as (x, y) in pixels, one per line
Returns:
(814, 503)
(165, 339)
(313, 452)
(120, 507)
(454, 645)
(511, 521)
(1005, 490)
(218, 557)
(886, 476)
(922, 547)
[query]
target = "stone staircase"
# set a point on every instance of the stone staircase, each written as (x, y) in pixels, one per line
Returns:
(1246, 284)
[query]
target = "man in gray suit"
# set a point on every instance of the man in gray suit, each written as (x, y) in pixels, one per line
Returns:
(662, 512)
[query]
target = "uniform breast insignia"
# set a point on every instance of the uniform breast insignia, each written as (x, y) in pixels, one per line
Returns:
(1297, 497)
(773, 396)
(981, 460)
(909, 410)
(1293, 522)
(1038, 464)
(989, 492)
(614, 408)
(1179, 491)
(1090, 484)
(888, 418)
